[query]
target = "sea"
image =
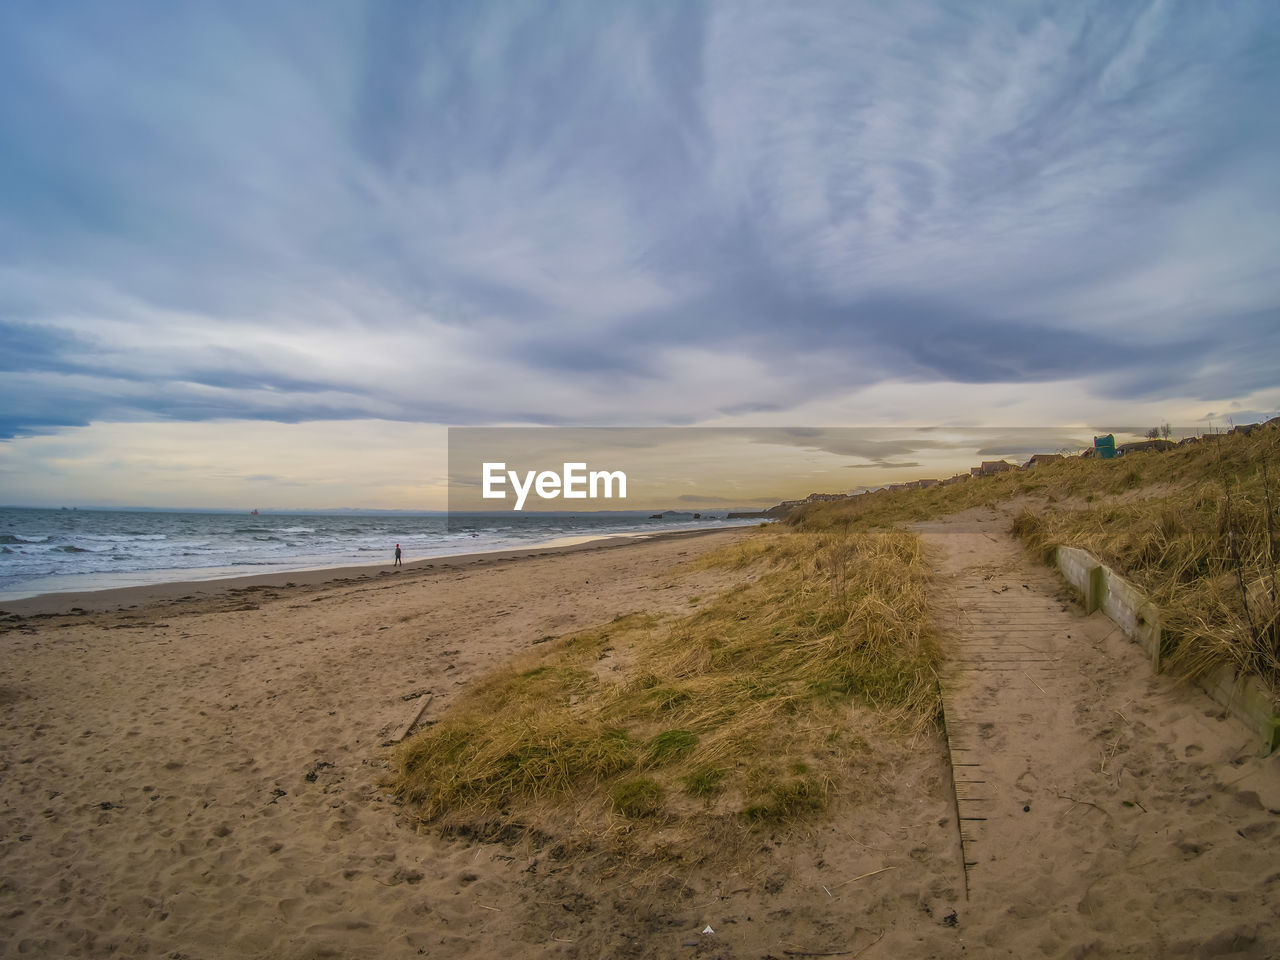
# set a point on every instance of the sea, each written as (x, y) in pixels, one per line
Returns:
(50, 551)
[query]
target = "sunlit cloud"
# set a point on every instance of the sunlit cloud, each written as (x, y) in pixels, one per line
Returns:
(230, 464)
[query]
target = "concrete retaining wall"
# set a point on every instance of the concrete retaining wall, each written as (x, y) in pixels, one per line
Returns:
(1243, 697)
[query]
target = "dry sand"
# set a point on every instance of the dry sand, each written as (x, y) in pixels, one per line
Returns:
(199, 778)
(1123, 815)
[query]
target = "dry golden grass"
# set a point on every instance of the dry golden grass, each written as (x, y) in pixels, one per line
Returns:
(1194, 528)
(745, 712)
(1204, 552)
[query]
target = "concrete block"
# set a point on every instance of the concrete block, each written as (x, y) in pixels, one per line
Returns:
(1097, 586)
(1132, 612)
(1245, 698)
(1270, 737)
(1077, 566)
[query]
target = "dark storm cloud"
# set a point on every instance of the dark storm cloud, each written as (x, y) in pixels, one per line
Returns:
(1240, 350)
(29, 346)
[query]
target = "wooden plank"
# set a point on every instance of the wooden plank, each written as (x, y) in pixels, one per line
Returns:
(419, 707)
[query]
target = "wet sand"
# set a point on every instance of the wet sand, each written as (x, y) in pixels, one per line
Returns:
(118, 598)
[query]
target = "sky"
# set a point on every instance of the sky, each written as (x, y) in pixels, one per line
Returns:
(265, 253)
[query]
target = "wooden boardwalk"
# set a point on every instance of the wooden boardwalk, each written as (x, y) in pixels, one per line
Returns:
(1009, 628)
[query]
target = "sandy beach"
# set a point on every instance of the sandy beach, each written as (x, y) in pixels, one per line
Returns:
(195, 771)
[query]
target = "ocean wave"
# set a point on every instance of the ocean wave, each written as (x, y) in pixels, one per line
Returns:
(120, 545)
(121, 537)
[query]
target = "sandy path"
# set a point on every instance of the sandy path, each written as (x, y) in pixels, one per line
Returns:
(1124, 816)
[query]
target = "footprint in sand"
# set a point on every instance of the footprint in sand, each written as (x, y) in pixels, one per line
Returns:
(1193, 750)
(1027, 782)
(1191, 849)
(1257, 831)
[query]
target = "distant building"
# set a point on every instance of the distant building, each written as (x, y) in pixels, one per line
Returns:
(1040, 459)
(990, 467)
(1145, 446)
(787, 505)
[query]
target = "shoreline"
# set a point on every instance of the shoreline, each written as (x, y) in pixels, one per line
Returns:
(61, 602)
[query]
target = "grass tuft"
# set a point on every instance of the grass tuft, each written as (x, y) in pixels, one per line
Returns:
(704, 781)
(786, 799)
(641, 797)
(670, 745)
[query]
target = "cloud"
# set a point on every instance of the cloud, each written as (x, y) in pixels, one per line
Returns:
(237, 464)
(29, 346)
(885, 447)
(629, 213)
(888, 465)
(712, 502)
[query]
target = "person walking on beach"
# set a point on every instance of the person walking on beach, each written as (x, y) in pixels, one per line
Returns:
(397, 563)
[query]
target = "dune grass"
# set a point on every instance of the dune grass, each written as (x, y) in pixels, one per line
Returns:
(1195, 528)
(1205, 549)
(744, 712)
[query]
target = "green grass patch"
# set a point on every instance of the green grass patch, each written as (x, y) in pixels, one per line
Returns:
(781, 800)
(641, 797)
(704, 781)
(670, 745)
